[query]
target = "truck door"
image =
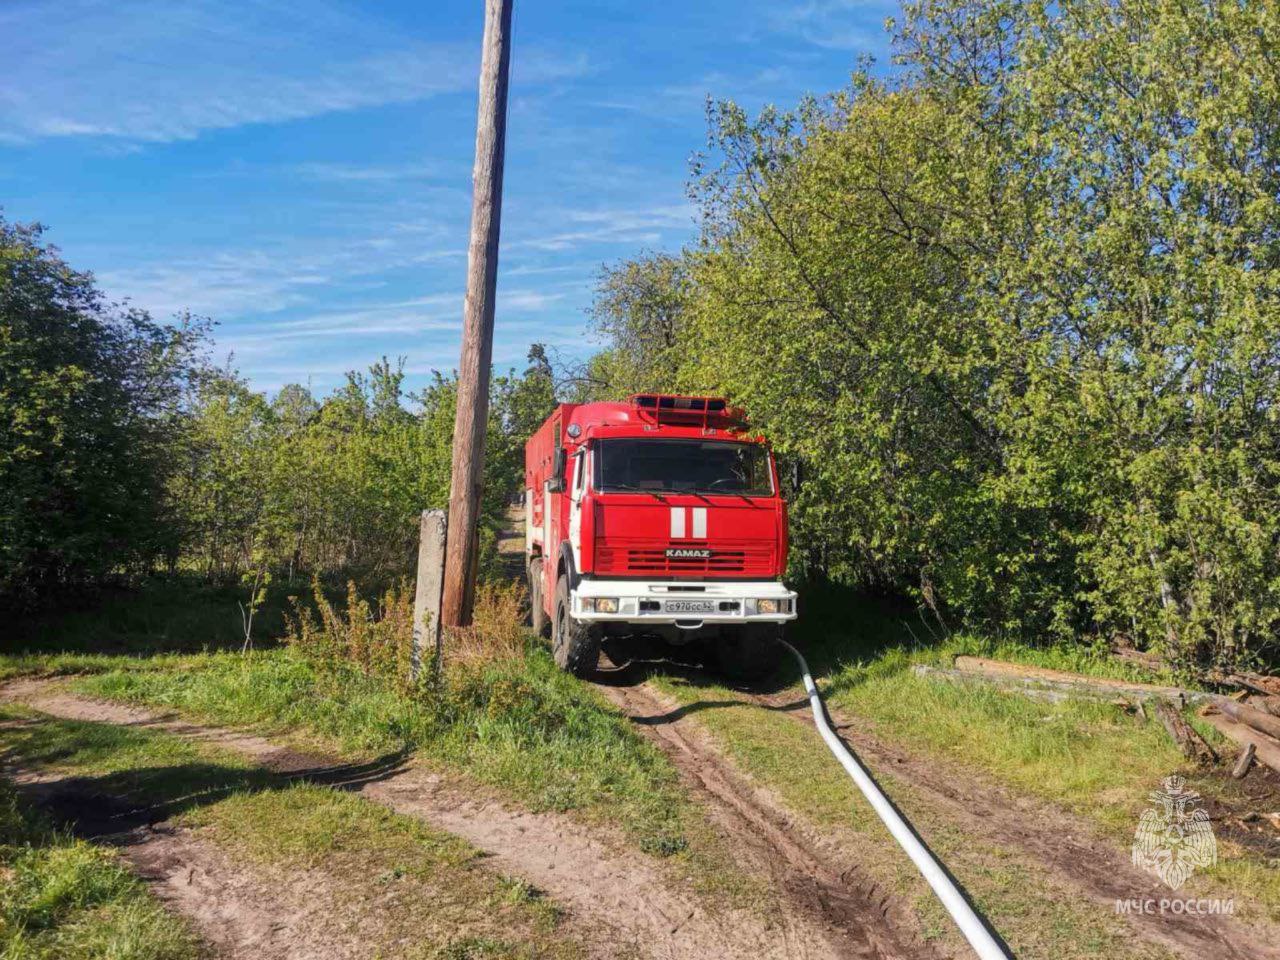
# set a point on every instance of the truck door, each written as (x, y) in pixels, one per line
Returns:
(577, 473)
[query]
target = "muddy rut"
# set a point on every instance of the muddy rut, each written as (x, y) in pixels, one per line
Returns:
(618, 901)
(1067, 847)
(829, 888)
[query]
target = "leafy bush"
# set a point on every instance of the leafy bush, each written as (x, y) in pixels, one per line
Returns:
(90, 410)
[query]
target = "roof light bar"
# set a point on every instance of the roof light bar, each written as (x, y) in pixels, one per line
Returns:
(668, 408)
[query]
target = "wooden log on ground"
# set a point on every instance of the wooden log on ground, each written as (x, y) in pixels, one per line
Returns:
(1193, 746)
(1269, 705)
(1251, 717)
(1266, 749)
(1017, 676)
(1244, 761)
(1237, 679)
(1253, 682)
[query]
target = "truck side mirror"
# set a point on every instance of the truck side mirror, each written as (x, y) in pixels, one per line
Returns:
(556, 483)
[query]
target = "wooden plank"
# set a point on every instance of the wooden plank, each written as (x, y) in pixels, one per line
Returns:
(1193, 746)
(1017, 676)
(1244, 761)
(1266, 749)
(1242, 713)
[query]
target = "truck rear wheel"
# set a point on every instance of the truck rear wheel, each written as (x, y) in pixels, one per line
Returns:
(748, 652)
(576, 644)
(538, 618)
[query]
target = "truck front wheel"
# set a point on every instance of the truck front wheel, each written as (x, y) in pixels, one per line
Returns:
(576, 644)
(537, 610)
(748, 652)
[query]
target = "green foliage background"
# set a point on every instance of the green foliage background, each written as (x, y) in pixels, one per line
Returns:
(1013, 315)
(124, 452)
(1016, 314)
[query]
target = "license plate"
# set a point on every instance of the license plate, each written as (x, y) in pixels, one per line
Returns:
(690, 606)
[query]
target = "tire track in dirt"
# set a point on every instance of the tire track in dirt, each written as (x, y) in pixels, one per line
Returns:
(861, 919)
(235, 913)
(1065, 845)
(617, 899)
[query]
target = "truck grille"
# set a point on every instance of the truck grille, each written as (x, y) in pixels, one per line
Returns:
(651, 559)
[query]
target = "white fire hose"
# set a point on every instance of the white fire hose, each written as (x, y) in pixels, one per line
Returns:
(975, 931)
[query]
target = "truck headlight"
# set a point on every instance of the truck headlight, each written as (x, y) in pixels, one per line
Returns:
(600, 604)
(767, 606)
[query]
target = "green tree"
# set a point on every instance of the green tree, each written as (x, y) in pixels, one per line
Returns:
(91, 404)
(1018, 314)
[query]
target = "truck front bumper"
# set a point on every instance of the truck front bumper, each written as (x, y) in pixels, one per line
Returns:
(685, 604)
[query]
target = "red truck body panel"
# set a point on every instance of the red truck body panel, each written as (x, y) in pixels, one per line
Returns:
(632, 535)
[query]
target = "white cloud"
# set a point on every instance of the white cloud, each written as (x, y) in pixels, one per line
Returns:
(837, 24)
(354, 173)
(155, 70)
(644, 226)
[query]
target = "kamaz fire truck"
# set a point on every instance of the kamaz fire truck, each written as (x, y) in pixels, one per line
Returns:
(661, 516)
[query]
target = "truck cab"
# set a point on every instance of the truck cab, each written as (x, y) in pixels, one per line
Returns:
(659, 516)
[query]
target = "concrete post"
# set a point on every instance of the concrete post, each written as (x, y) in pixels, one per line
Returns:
(426, 598)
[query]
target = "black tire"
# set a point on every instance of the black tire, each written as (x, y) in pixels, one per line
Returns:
(538, 618)
(749, 652)
(576, 644)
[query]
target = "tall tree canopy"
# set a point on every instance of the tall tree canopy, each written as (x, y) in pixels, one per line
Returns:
(1018, 313)
(90, 404)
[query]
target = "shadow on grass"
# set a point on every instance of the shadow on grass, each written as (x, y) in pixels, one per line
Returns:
(838, 627)
(180, 614)
(116, 802)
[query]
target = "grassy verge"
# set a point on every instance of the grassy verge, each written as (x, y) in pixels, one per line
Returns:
(511, 721)
(394, 881)
(1093, 759)
(70, 900)
(520, 725)
(1037, 914)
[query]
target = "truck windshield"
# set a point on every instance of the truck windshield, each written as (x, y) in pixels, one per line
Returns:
(682, 466)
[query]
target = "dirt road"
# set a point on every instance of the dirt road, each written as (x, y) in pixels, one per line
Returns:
(1073, 852)
(618, 901)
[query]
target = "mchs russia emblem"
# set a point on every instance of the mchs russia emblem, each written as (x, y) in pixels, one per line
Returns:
(1174, 837)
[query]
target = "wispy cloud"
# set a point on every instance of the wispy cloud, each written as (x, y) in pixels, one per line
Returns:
(836, 24)
(356, 173)
(259, 281)
(642, 226)
(153, 70)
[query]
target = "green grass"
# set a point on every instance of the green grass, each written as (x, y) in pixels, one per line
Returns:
(518, 725)
(1034, 912)
(175, 614)
(521, 726)
(1094, 759)
(417, 890)
(64, 899)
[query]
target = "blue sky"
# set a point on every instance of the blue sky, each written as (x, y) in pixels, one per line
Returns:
(300, 171)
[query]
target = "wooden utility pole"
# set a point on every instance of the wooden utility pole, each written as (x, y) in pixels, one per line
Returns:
(477, 333)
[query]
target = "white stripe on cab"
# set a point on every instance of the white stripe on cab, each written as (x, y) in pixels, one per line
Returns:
(677, 523)
(699, 523)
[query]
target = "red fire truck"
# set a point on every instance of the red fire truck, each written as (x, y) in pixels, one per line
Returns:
(661, 516)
